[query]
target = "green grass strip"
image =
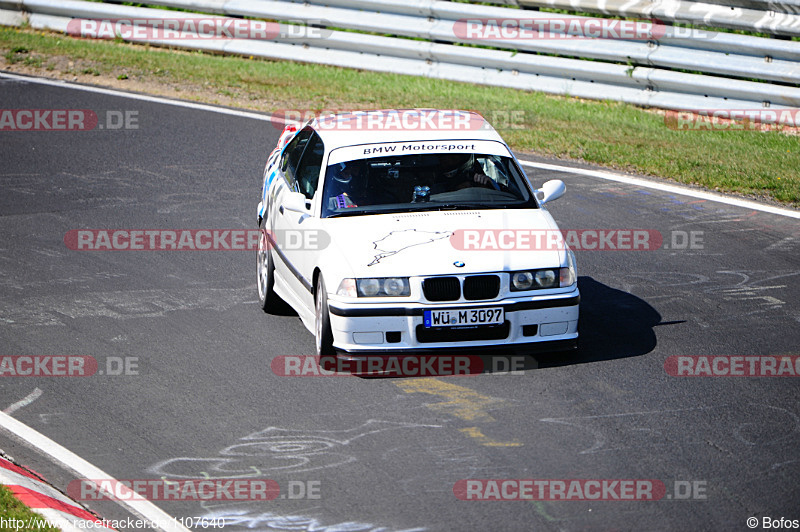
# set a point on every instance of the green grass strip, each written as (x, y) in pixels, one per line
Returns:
(763, 165)
(15, 512)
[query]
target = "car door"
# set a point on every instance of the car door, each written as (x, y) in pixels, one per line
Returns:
(295, 231)
(306, 238)
(287, 283)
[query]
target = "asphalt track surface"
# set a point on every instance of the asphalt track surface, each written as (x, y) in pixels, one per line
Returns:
(385, 452)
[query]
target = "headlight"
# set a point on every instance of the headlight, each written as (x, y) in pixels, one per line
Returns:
(368, 287)
(521, 281)
(396, 286)
(535, 280)
(546, 279)
(375, 287)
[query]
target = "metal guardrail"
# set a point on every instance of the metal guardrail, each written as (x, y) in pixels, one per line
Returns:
(674, 68)
(435, 21)
(782, 6)
(777, 17)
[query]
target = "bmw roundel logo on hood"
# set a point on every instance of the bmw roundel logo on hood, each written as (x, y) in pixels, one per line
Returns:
(458, 264)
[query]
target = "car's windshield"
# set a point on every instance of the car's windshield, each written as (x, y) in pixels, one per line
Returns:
(431, 181)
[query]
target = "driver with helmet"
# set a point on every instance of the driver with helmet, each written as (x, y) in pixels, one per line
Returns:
(459, 171)
(342, 187)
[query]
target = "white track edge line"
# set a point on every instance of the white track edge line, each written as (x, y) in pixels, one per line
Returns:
(663, 187)
(135, 96)
(140, 507)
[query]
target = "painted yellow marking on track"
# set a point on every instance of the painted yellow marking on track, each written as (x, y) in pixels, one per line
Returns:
(461, 402)
(486, 441)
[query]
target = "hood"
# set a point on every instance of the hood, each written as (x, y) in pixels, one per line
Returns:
(430, 243)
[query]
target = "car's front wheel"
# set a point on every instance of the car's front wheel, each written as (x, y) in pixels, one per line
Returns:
(267, 298)
(326, 354)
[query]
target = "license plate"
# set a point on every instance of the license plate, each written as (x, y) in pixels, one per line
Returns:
(463, 317)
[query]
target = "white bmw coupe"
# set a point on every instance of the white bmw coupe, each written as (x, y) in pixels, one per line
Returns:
(412, 231)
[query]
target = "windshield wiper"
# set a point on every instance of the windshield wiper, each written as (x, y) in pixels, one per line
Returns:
(350, 213)
(463, 206)
(427, 206)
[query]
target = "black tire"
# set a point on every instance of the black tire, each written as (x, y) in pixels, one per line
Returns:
(265, 273)
(323, 334)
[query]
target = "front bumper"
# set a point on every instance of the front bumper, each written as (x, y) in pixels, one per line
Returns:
(531, 323)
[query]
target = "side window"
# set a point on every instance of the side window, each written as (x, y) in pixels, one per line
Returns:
(292, 154)
(307, 172)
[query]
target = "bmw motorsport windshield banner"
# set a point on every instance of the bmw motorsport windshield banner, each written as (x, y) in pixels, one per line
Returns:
(368, 151)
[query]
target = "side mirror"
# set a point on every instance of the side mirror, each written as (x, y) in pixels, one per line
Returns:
(551, 190)
(295, 202)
